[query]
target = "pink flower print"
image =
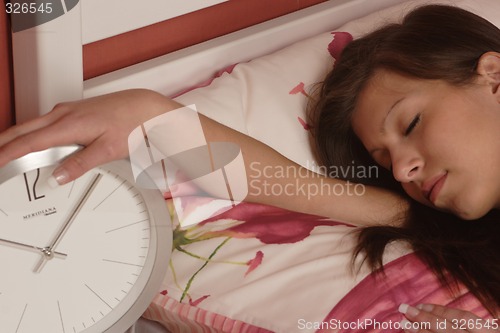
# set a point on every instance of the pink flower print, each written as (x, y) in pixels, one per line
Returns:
(255, 262)
(339, 42)
(305, 125)
(197, 301)
(228, 69)
(299, 89)
(270, 225)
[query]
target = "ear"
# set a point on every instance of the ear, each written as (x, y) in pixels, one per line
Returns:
(488, 68)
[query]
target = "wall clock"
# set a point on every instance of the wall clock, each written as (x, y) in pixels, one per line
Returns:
(88, 256)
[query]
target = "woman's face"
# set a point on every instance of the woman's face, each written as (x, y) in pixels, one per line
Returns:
(442, 142)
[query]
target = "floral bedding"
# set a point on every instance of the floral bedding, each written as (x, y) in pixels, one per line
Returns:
(258, 268)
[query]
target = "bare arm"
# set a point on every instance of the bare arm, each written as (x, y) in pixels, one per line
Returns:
(102, 125)
(302, 190)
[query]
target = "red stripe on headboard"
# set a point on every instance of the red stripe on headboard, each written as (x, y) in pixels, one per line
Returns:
(6, 88)
(158, 39)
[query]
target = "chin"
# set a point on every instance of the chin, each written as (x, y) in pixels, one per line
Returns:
(468, 206)
(467, 216)
(460, 210)
(471, 214)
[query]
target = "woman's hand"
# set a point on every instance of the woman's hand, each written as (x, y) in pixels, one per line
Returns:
(430, 318)
(101, 124)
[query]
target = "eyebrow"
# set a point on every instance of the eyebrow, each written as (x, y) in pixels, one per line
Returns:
(382, 125)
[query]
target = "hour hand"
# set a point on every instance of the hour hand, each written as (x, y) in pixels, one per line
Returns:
(48, 251)
(31, 248)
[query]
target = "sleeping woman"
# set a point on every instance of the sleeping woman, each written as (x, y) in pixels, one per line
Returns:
(421, 99)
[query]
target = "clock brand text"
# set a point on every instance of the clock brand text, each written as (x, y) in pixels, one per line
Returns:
(42, 212)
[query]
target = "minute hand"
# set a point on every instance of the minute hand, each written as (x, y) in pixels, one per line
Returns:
(47, 252)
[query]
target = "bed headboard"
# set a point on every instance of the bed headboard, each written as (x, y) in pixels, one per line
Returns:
(6, 88)
(49, 64)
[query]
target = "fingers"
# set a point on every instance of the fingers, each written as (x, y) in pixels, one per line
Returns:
(100, 124)
(19, 130)
(58, 128)
(97, 153)
(25, 138)
(425, 321)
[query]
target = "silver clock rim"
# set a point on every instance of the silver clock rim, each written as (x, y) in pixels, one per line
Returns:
(149, 281)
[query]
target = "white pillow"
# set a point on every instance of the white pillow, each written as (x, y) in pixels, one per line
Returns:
(255, 97)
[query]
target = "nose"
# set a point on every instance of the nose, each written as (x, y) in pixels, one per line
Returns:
(406, 165)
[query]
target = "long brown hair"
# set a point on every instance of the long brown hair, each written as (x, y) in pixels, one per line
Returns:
(434, 42)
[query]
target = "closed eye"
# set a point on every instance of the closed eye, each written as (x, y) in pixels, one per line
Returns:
(412, 125)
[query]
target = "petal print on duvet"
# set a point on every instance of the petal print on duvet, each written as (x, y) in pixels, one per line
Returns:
(255, 262)
(229, 69)
(340, 40)
(299, 89)
(197, 301)
(305, 125)
(270, 225)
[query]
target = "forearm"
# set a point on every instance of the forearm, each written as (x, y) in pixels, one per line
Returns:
(275, 180)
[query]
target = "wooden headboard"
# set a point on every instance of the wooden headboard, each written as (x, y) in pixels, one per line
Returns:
(103, 54)
(107, 35)
(6, 88)
(94, 46)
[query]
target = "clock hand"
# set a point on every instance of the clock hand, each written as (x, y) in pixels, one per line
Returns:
(47, 251)
(29, 248)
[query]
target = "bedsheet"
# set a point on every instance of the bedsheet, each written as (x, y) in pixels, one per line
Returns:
(258, 268)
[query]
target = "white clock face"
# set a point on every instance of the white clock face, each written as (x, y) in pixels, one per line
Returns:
(96, 262)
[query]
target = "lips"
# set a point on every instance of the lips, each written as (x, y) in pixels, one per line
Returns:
(432, 186)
